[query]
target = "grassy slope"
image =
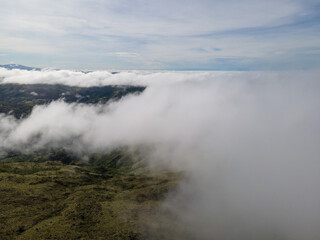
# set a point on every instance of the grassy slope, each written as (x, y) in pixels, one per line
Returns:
(50, 195)
(51, 200)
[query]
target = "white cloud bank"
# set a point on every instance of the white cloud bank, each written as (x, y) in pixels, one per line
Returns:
(250, 143)
(140, 78)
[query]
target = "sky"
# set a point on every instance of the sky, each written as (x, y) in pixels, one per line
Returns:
(161, 35)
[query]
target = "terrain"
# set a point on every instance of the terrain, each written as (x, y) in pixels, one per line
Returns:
(19, 99)
(55, 194)
(19, 66)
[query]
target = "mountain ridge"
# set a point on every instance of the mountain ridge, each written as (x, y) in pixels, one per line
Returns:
(19, 66)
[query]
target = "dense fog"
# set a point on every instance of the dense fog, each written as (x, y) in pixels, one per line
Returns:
(248, 142)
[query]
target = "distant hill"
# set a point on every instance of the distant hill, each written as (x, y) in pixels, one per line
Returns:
(17, 66)
(19, 99)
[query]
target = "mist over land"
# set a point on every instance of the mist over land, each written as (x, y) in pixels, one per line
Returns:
(247, 142)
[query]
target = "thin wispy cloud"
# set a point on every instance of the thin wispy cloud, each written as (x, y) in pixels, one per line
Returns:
(70, 34)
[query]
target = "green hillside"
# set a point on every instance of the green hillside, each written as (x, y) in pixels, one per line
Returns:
(55, 194)
(19, 99)
(109, 197)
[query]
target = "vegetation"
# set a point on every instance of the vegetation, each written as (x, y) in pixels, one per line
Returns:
(109, 197)
(19, 99)
(54, 194)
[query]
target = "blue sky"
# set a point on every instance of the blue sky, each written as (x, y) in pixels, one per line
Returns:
(163, 35)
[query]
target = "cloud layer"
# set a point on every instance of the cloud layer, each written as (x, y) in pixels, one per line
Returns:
(136, 78)
(249, 143)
